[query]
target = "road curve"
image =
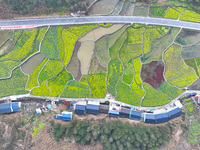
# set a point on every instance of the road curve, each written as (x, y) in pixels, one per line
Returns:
(5, 24)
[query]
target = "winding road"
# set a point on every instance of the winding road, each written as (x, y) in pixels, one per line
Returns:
(31, 23)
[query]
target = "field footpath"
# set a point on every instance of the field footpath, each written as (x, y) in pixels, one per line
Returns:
(171, 103)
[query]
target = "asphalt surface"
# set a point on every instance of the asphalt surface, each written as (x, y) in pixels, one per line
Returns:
(101, 19)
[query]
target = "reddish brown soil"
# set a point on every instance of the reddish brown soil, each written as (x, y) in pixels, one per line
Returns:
(152, 73)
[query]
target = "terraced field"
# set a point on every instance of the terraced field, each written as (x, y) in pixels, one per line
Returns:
(138, 64)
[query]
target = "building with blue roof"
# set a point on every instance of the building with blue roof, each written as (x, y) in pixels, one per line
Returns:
(135, 115)
(92, 107)
(174, 113)
(149, 118)
(164, 117)
(10, 107)
(80, 109)
(16, 106)
(113, 113)
(65, 116)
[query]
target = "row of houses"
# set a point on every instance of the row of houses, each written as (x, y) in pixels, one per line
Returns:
(93, 107)
(10, 107)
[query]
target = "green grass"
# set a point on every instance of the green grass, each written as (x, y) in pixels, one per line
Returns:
(159, 45)
(149, 36)
(170, 90)
(115, 70)
(125, 94)
(17, 34)
(190, 106)
(130, 51)
(50, 45)
(96, 67)
(51, 69)
(189, 15)
(23, 46)
(36, 130)
(6, 67)
(162, 29)
(42, 90)
(176, 68)
(192, 63)
(60, 42)
(57, 84)
(134, 35)
(154, 97)
(172, 14)
(97, 84)
(80, 30)
(128, 72)
(15, 85)
(33, 81)
(76, 89)
(113, 51)
(171, 2)
(104, 43)
(158, 11)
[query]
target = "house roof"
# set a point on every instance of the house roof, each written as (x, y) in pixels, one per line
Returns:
(105, 107)
(135, 114)
(178, 104)
(81, 103)
(149, 118)
(92, 107)
(112, 112)
(79, 107)
(162, 117)
(174, 112)
(125, 111)
(5, 108)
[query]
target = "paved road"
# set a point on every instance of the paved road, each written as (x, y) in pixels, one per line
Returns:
(98, 19)
(103, 100)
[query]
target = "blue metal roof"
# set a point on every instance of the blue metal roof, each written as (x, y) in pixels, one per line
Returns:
(15, 107)
(113, 113)
(67, 115)
(135, 114)
(93, 107)
(58, 117)
(164, 117)
(64, 117)
(149, 118)
(5, 108)
(80, 107)
(174, 113)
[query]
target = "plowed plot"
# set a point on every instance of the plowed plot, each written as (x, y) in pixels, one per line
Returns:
(103, 7)
(152, 73)
(187, 37)
(191, 51)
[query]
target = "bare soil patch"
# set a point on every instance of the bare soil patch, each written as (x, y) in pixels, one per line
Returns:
(32, 62)
(85, 54)
(152, 73)
(74, 65)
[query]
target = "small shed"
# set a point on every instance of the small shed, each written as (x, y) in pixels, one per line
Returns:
(178, 104)
(164, 117)
(65, 116)
(104, 109)
(113, 113)
(124, 113)
(5, 108)
(149, 118)
(135, 115)
(16, 106)
(80, 107)
(38, 111)
(174, 113)
(67, 103)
